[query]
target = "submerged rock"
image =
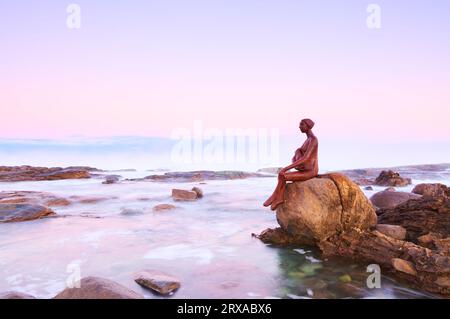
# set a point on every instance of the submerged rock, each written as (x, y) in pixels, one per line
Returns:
(163, 207)
(198, 191)
(23, 212)
(183, 195)
(157, 281)
(31, 197)
(15, 295)
(391, 178)
(111, 179)
(390, 199)
(98, 288)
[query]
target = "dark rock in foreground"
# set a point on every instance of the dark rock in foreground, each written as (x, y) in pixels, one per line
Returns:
(98, 288)
(15, 295)
(390, 199)
(30, 173)
(157, 281)
(23, 212)
(198, 176)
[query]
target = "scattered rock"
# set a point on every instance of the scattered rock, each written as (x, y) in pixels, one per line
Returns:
(183, 195)
(390, 199)
(15, 295)
(157, 281)
(391, 178)
(198, 191)
(394, 231)
(390, 189)
(432, 190)
(368, 188)
(98, 288)
(163, 207)
(111, 179)
(404, 266)
(23, 212)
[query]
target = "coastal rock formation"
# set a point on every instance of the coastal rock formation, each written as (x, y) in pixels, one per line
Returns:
(342, 222)
(23, 212)
(419, 216)
(198, 176)
(432, 190)
(15, 295)
(390, 199)
(98, 288)
(394, 231)
(31, 197)
(157, 281)
(30, 173)
(391, 178)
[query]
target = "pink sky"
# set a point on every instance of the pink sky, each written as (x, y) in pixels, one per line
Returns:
(150, 72)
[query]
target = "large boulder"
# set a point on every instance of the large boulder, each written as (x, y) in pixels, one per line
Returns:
(157, 281)
(432, 190)
(390, 199)
(391, 178)
(317, 209)
(23, 212)
(98, 288)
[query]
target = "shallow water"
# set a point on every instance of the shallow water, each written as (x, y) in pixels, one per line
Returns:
(206, 243)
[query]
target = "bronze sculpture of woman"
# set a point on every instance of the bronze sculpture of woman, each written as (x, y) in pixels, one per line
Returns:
(305, 161)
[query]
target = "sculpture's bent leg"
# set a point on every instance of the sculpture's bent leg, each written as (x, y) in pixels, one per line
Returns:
(288, 177)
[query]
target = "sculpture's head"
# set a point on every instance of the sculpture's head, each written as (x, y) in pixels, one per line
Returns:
(306, 125)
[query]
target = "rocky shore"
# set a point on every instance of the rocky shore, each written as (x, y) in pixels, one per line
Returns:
(31, 173)
(409, 239)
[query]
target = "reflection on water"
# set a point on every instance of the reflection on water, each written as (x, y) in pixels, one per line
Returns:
(207, 244)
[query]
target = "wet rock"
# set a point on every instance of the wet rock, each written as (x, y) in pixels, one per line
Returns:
(390, 189)
(31, 197)
(163, 207)
(432, 190)
(404, 266)
(90, 199)
(111, 179)
(98, 288)
(198, 176)
(157, 281)
(390, 199)
(419, 216)
(31, 173)
(198, 191)
(183, 195)
(316, 209)
(368, 188)
(15, 295)
(391, 178)
(131, 211)
(393, 231)
(23, 212)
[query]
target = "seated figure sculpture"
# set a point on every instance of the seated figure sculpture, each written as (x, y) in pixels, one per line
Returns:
(305, 161)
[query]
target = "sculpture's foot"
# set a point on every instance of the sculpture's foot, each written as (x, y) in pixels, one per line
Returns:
(276, 203)
(268, 201)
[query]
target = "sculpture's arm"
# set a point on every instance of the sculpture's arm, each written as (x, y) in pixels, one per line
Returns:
(304, 158)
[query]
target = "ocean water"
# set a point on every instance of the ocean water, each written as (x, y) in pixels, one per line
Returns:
(207, 244)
